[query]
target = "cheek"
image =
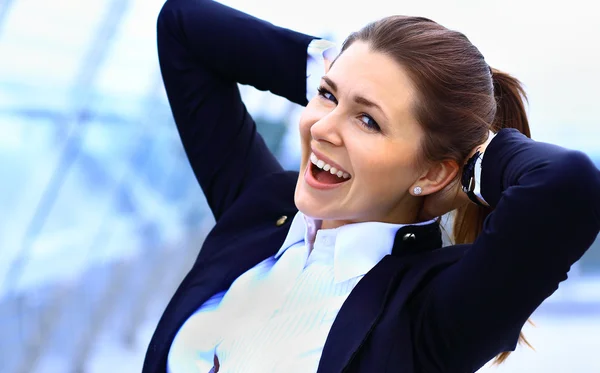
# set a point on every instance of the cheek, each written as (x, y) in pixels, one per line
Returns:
(304, 125)
(388, 167)
(310, 115)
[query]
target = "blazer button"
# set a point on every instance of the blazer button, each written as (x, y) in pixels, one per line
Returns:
(409, 237)
(281, 221)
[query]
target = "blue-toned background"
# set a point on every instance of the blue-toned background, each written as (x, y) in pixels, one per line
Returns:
(100, 215)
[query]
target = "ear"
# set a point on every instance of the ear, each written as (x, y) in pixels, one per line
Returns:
(436, 177)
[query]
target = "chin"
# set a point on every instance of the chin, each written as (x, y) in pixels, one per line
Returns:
(314, 207)
(318, 198)
(304, 202)
(307, 203)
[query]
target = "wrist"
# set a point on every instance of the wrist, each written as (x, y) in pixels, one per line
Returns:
(471, 177)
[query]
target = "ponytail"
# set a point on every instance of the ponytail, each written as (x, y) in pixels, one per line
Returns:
(510, 102)
(510, 113)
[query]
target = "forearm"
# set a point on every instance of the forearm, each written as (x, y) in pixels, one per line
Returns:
(546, 214)
(201, 63)
(239, 47)
(546, 203)
(547, 207)
(566, 174)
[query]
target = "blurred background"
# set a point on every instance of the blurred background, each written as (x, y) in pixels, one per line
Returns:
(101, 216)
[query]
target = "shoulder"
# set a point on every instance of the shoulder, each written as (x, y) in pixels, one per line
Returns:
(255, 226)
(417, 271)
(273, 192)
(262, 203)
(429, 263)
(420, 270)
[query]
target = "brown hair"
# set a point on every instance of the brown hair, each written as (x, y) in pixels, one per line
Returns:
(459, 98)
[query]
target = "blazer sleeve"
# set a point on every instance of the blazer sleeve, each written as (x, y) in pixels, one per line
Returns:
(547, 214)
(205, 49)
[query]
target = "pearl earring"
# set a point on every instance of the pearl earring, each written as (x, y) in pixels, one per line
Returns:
(417, 190)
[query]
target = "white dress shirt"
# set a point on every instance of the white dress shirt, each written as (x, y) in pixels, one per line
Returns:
(276, 316)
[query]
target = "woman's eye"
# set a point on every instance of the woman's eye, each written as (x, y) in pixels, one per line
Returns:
(323, 92)
(365, 119)
(368, 122)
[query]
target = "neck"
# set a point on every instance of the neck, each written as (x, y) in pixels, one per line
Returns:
(405, 212)
(406, 219)
(331, 224)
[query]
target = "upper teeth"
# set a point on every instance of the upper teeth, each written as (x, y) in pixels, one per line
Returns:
(327, 167)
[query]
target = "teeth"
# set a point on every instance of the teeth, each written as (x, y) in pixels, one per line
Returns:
(327, 167)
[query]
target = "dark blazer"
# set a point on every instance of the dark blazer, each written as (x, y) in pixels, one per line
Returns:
(422, 309)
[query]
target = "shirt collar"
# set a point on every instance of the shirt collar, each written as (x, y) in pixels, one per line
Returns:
(358, 247)
(298, 232)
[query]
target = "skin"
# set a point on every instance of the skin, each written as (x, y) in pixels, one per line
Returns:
(377, 145)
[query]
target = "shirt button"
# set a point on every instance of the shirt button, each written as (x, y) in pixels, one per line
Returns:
(281, 221)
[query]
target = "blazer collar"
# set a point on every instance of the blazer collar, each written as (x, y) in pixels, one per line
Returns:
(358, 247)
(415, 239)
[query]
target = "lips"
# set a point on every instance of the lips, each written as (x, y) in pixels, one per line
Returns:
(327, 171)
(326, 164)
(319, 178)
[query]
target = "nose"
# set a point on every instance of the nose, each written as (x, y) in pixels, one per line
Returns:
(327, 129)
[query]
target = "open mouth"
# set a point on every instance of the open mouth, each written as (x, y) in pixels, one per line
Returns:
(325, 173)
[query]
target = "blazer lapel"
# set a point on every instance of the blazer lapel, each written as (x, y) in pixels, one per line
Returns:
(207, 278)
(367, 301)
(251, 231)
(359, 314)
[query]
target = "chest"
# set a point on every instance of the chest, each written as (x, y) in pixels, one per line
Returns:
(285, 324)
(253, 232)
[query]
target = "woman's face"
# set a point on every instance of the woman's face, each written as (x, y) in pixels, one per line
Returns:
(361, 124)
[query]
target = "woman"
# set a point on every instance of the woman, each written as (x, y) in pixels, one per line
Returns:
(340, 267)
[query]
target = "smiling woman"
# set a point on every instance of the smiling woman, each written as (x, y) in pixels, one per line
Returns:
(409, 123)
(362, 119)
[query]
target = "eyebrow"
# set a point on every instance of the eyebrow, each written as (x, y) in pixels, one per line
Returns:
(358, 99)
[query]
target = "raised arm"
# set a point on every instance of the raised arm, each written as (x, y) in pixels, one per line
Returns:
(547, 214)
(204, 49)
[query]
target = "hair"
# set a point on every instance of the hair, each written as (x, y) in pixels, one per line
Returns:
(459, 98)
